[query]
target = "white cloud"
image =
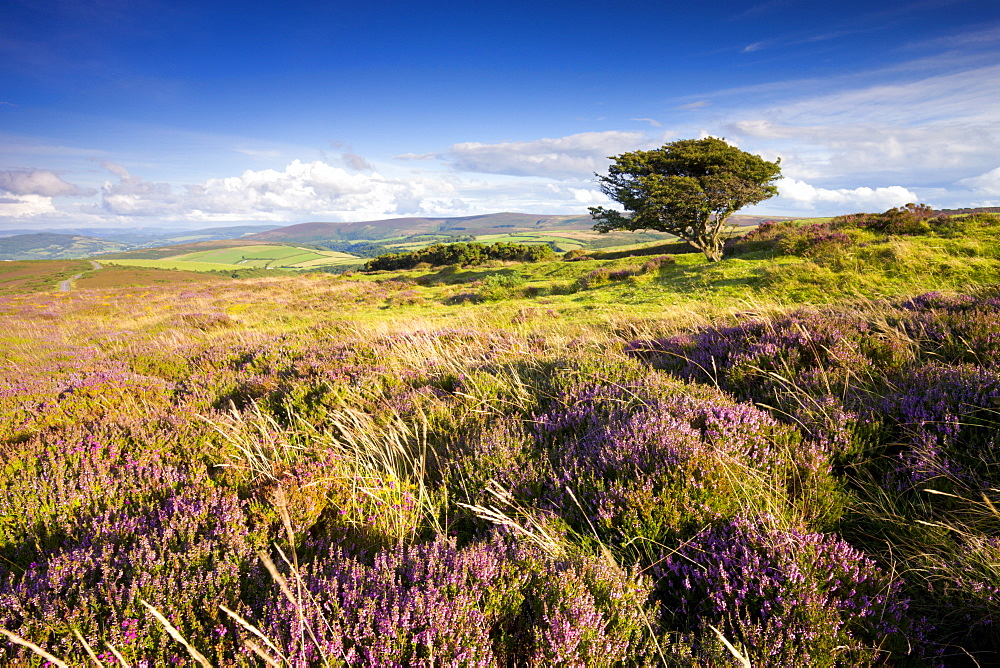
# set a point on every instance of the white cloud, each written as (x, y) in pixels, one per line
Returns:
(25, 206)
(573, 156)
(652, 121)
(37, 182)
(984, 184)
(589, 197)
(856, 199)
(299, 190)
(132, 196)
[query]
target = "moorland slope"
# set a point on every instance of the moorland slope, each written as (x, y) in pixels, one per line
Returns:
(786, 458)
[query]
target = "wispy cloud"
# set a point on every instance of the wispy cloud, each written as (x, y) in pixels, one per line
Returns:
(355, 162)
(763, 8)
(987, 36)
(572, 156)
(38, 182)
(652, 121)
(985, 184)
(925, 130)
(418, 156)
(259, 153)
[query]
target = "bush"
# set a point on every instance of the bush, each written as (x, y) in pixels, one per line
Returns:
(487, 603)
(786, 597)
(813, 241)
(462, 254)
(576, 255)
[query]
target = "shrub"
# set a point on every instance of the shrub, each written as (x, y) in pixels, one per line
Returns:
(496, 287)
(576, 255)
(947, 417)
(603, 276)
(764, 237)
(657, 264)
(649, 460)
(462, 254)
(812, 241)
(790, 239)
(786, 597)
(488, 603)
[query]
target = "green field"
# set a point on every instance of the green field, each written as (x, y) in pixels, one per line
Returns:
(272, 257)
(245, 257)
(173, 264)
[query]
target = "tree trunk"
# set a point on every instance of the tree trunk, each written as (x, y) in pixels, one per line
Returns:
(711, 249)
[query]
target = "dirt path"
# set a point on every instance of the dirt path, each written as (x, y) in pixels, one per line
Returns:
(64, 286)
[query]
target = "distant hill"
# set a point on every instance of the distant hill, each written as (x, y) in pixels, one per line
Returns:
(175, 250)
(373, 230)
(492, 223)
(82, 243)
(51, 246)
(163, 237)
(978, 209)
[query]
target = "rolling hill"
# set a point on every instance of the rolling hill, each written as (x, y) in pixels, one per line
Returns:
(51, 246)
(487, 224)
(403, 227)
(78, 243)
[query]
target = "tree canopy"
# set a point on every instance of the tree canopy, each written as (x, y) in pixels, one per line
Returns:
(688, 188)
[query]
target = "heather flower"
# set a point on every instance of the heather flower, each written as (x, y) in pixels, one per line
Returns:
(946, 418)
(652, 459)
(786, 597)
(485, 604)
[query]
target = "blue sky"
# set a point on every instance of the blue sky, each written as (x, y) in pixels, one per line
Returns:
(118, 113)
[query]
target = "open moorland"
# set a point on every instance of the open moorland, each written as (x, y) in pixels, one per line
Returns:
(617, 457)
(28, 276)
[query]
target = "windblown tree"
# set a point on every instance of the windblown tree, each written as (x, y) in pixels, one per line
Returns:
(687, 188)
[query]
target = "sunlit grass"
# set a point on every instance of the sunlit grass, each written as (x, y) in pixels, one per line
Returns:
(300, 469)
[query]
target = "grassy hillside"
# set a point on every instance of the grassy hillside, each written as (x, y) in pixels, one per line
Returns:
(28, 276)
(50, 246)
(787, 458)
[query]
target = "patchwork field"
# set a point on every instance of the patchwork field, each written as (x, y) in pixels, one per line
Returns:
(260, 256)
(787, 458)
(266, 256)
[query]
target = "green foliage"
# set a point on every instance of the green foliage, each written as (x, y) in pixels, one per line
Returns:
(359, 248)
(687, 188)
(463, 254)
(496, 287)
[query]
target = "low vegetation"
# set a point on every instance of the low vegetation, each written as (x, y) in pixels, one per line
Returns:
(788, 457)
(462, 254)
(26, 276)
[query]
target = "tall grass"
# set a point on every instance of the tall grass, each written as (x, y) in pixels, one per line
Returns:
(302, 471)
